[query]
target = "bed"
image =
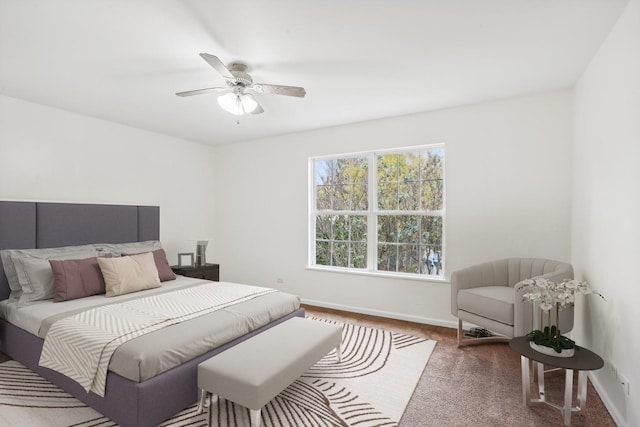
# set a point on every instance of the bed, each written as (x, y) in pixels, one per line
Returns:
(148, 401)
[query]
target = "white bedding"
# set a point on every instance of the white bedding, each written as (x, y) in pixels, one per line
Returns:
(149, 355)
(80, 346)
(30, 317)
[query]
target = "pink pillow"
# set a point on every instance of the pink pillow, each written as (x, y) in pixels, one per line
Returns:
(164, 269)
(76, 278)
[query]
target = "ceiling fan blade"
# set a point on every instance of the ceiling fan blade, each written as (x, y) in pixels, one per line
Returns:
(280, 90)
(202, 91)
(215, 62)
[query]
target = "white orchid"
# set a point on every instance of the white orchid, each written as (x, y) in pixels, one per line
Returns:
(545, 306)
(553, 295)
(533, 296)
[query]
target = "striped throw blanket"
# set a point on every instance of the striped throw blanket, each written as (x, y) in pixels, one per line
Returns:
(80, 346)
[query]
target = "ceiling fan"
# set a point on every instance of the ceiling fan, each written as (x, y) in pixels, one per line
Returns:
(240, 102)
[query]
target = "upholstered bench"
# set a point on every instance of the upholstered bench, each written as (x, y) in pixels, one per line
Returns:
(257, 370)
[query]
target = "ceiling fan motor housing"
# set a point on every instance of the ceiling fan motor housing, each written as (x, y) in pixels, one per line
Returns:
(239, 71)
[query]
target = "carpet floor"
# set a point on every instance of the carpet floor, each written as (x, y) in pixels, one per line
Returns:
(472, 386)
(370, 387)
(475, 385)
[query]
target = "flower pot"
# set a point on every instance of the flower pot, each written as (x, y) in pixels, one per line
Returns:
(566, 352)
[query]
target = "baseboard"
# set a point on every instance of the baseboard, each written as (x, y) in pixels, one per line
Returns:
(615, 414)
(382, 313)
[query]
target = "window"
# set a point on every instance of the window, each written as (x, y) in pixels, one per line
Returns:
(397, 228)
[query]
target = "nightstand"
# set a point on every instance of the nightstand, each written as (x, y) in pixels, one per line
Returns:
(207, 271)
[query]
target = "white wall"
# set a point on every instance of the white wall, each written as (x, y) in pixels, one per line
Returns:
(48, 154)
(606, 210)
(508, 182)
(508, 190)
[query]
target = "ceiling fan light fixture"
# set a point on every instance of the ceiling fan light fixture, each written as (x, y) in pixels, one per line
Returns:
(238, 103)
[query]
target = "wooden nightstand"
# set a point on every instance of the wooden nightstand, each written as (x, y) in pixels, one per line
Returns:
(207, 271)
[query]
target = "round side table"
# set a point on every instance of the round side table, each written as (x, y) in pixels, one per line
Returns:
(583, 360)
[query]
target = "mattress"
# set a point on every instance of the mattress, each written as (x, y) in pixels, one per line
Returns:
(151, 354)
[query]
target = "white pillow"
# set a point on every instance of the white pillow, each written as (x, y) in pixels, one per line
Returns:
(129, 274)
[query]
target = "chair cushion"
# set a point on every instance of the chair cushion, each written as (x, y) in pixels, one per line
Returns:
(492, 302)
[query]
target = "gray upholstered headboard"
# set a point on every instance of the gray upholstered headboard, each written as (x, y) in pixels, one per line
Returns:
(27, 225)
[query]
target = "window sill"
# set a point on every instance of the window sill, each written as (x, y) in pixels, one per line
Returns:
(385, 275)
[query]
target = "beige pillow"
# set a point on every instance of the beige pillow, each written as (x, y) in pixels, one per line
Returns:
(129, 274)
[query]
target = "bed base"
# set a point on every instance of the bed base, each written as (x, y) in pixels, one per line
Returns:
(128, 403)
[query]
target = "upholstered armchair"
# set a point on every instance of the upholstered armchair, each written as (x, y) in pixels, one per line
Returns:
(490, 295)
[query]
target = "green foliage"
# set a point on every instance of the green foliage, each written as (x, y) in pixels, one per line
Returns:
(341, 240)
(552, 338)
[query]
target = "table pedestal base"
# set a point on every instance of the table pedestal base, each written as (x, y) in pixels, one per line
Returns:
(566, 410)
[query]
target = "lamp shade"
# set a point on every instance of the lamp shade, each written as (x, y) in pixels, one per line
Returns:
(238, 103)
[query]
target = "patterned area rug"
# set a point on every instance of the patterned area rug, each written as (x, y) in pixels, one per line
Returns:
(370, 387)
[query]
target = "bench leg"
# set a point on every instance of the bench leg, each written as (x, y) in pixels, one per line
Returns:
(204, 400)
(255, 417)
(339, 352)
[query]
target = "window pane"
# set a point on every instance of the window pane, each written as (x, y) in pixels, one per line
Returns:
(410, 181)
(431, 164)
(359, 197)
(387, 255)
(387, 229)
(340, 199)
(323, 197)
(432, 192)
(340, 254)
(359, 255)
(432, 227)
(340, 227)
(409, 196)
(358, 228)
(432, 260)
(409, 258)
(432, 245)
(322, 252)
(387, 168)
(323, 227)
(322, 170)
(409, 229)
(388, 196)
(355, 171)
(409, 166)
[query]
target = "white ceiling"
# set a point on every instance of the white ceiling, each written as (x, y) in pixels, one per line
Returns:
(123, 60)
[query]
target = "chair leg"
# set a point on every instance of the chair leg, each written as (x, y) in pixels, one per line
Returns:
(462, 341)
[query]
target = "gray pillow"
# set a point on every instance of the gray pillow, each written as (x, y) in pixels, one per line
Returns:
(117, 249)
(10, 273)
(35, 278)
(65, 252)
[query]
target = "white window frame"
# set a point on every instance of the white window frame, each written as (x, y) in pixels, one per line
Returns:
(372, 213)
